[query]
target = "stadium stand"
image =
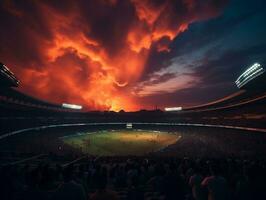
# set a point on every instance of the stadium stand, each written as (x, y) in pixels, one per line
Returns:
(135, 178)
(243, 108)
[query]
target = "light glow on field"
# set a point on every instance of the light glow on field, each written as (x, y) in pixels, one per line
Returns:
(121, 142)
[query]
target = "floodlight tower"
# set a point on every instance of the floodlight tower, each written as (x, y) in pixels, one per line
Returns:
(7, 77)
(251, 73)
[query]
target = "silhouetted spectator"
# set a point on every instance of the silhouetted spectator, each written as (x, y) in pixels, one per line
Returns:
(69, 189)
(102, 193)
(195, 184)
(215, 184)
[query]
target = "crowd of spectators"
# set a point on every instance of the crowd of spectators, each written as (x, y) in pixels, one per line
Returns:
(136, 178)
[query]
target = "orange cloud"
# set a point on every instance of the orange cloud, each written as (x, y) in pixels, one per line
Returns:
(91, 53)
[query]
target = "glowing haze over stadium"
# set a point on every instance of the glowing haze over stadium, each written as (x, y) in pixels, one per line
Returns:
(99, 54)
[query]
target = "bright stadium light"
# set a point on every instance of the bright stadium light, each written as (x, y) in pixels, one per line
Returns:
(7, 74)
(173, 109)
(71, 106)
(252, 72)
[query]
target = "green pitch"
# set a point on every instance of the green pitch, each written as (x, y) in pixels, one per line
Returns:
(121, 142)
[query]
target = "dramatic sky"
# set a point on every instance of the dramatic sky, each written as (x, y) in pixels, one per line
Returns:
(131, 54)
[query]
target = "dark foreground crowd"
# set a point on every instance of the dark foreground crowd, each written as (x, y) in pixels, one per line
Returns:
(136, 178)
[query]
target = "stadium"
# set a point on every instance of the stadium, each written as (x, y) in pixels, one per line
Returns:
(132, 100)
(242, 111)
(35, 131)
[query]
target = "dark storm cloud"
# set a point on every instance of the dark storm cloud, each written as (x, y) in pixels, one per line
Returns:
(161, 59)
(155, 62)
(108, 23)
(154, 80)
(184, 97)
(215, 52)
(227, 67)
(204, 33)
(162, 78)
(217, 78)
(18, 32)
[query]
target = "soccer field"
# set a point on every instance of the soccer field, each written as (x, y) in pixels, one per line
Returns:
(121, 142)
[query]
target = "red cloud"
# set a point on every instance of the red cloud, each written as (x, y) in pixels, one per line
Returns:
(91, 52)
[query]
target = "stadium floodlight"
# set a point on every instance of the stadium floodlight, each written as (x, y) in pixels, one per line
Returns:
(252, 72)
(8, 75)
(71, 106)
(173, 109)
